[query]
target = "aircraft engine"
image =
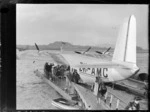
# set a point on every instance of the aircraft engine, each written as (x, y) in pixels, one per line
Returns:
(140, 76)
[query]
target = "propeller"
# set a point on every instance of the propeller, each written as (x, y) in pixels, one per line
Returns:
(77, 52)
(98, 52)
(82, 52)
(87, 50)
(107, 50)
(104, 51)
(37, 47)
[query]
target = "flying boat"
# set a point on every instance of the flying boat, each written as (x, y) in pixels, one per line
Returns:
(123, 64)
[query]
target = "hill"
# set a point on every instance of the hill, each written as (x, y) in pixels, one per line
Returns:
(69, 47)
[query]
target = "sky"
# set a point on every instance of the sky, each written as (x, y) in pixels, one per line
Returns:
(79, 24)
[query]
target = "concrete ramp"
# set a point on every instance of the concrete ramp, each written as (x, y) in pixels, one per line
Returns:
(59, 90)
(88, 98)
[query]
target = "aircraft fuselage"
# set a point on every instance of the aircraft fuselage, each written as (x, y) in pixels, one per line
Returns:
(107, 74)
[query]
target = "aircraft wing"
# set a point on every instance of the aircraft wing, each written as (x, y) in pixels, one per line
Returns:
(100, 65)
(83, 52)
(82, 61)
(58, 59)
(77, 59)
(104, 51)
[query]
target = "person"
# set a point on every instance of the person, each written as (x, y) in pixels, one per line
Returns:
(45, 70)
(62, 70)
(145, 87)
(58, 70)
(76, 76)
(103, 90)
(131, 106)
(81, 105)
(68, 68)
(50, 71)
(68, 76)
(55, 70)
(99, 81)
(134, 105)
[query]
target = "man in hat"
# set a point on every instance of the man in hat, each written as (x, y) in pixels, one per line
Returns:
(134, 105)
(137, 103)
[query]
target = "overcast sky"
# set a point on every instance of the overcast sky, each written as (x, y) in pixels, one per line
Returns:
(79, 24)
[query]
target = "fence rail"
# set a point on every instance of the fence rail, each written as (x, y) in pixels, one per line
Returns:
(111, 98)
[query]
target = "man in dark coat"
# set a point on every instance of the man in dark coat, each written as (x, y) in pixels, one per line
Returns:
(50, 68)
(103, 90)
(45, 70)
(76, 77)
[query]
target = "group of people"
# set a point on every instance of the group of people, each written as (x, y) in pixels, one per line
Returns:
(75, 77)
(59, 70)
(48, 70)
(51, 72)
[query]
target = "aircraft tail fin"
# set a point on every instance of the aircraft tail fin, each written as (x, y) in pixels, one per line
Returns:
(125, 49)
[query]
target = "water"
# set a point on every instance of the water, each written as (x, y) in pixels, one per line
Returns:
(32, 92)
(142, 62)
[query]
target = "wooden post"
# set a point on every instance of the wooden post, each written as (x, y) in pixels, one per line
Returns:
(96, 89)
(110, 100)
(113, 85)
(92, 88)
(118, 101)
(99, 100)
(106, 96)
